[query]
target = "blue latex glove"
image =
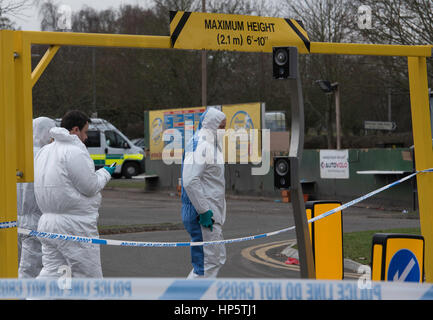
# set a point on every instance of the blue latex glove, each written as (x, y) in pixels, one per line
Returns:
(110, 169)
(205, 219)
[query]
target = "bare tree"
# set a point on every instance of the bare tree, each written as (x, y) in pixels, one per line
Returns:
(12, 8)
(49, 12)
(399, 21)
(325, 21)
(405, 22)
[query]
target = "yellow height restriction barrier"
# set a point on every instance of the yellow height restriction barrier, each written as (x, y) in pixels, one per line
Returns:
(255, 34)
(327, 239)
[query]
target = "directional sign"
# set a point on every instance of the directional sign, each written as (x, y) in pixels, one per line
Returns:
(397, 257)
(380, 125)
(404, 267)
(211, 31)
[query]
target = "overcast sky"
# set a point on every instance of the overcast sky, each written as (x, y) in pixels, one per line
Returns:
(30, 21)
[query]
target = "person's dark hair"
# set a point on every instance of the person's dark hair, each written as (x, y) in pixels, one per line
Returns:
(74, 118)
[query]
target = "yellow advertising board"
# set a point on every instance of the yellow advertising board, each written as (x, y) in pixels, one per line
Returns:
(215, 31)
(156, 128)
(239, 116)
(397, 257)
(243, 118)
(161, 121)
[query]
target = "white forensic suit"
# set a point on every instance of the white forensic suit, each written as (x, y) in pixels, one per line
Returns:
(30, 263)
(203, 189)
(67, 190)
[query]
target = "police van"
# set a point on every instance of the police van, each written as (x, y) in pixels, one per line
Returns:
(106, 145)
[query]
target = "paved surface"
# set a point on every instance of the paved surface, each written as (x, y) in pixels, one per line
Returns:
(245, 216)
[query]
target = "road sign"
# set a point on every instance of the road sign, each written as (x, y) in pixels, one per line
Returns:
(380, 125)
(404, 266)
(327, 239)
(212, 31)
(397, 257)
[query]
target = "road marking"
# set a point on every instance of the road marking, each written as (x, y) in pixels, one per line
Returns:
(262, 254)
(263, 258)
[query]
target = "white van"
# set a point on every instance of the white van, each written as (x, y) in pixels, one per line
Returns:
(106, 144)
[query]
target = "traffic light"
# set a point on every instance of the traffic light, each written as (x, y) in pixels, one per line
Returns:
(281, 172)
(285, 62)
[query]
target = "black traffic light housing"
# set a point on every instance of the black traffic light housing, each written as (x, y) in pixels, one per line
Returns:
(285, 62)
(282, 172)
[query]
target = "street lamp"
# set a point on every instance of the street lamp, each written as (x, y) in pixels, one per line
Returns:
(329, 88)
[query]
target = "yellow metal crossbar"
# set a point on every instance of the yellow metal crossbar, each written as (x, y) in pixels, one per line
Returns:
(370, 49)
(97, 40)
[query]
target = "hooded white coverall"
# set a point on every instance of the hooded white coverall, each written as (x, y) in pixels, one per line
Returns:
(30, 263)
(67, 190)
(203, 189)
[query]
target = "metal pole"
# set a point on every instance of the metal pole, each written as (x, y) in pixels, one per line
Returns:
(203, 68)
(94, 81)
(389, 104)
(305, 250)
(337, 116)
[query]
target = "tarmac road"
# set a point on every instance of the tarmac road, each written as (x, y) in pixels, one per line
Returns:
(245, 216)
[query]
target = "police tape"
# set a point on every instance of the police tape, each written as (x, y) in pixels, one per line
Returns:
(66, 237)
(211, 289)
(98, 241)
(8, 224)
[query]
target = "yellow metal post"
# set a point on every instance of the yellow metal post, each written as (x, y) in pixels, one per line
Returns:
(422, 138)
(24, 108)
(8, 196)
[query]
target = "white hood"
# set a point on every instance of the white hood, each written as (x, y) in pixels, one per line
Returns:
(63, 135)
(213, 119)
(41, 131)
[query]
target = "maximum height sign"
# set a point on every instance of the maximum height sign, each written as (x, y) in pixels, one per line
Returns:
(232, 32)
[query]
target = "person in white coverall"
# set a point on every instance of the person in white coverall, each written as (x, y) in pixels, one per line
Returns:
(203, 195)
(67, 190)
(30, 263)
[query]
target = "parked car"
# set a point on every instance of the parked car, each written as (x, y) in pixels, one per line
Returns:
(139, 142)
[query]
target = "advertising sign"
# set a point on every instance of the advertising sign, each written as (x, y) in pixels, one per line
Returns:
(334, 164)
(161, 121)
(243, 135)
(243, 132)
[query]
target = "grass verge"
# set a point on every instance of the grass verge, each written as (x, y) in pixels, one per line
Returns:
(126, 183)
(357, 245)
(103, 230)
